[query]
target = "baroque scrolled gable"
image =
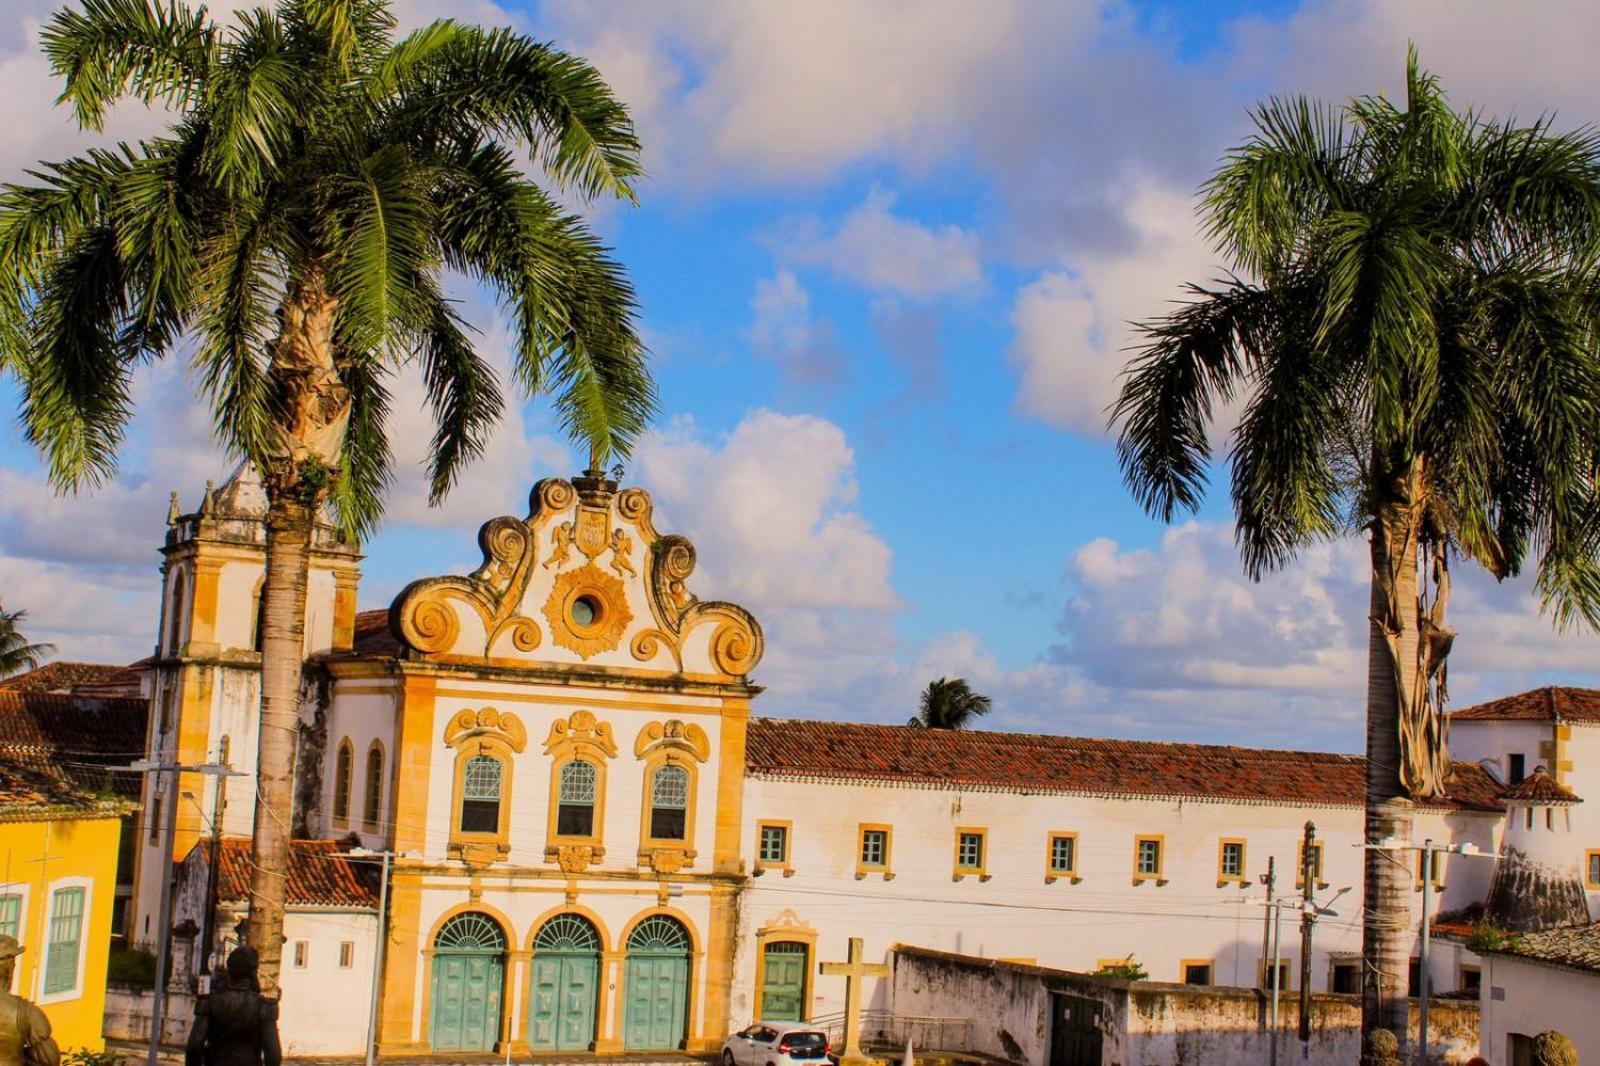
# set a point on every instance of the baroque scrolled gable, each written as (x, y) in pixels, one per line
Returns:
(584, 579)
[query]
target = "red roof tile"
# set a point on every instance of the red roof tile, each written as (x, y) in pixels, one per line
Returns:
(318, 876)
(93, 679)
(1024, 762)
(1553, 703)
(373, 637)
(30, 792)
(80, 735)
(1540, 787)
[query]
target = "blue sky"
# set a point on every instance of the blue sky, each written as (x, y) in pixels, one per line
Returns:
(885, 258)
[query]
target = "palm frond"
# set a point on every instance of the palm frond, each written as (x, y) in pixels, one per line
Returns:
(153, 51)
(464, 394)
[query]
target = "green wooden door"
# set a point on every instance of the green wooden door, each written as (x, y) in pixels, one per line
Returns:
(783, 982)
(564, 986)
(468, 977)
(656, 988)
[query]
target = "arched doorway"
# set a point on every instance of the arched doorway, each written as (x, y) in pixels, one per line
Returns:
(657, 985)
(783, 981)
(469, 971)
(565, 985)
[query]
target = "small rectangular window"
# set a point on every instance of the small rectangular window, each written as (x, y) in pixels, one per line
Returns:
(1197, 972)
(1346, 978)
(1283, 975)
(874, 847)
(774, 844)
(970, 852)
(347, 954)
(1316, 865)
(1147, 858)
(66, 936)
(1471, 979)
(11, 915)
(1063, 854)
(874, 850)
(1516, 767)
(1230, 861)
(301, 950)
(1593, 866)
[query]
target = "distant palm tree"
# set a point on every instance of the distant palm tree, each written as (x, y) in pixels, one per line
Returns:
(949, 703)
(1409, 343)
(16, 654)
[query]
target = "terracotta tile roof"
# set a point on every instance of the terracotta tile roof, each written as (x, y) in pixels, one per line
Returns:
(318, 877)
(1027, 763)
(1576, 947)
(96, 679)
(1540, 787)
(43, 791)
(80, 735)
(1553, 703)
(373, 638)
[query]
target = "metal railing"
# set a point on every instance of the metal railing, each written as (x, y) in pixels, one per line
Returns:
(887, 1030)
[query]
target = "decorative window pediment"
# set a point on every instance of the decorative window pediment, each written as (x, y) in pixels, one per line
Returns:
(675, 735)
(580, 734)
(488, 722)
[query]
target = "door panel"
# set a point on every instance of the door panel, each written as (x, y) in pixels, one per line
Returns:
(783, 986)
(656, 994)
(466, 1002)
(561, 1003)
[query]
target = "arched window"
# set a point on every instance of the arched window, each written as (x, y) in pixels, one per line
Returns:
(669, 803)
(575, 814)
(175, 622)
(480, 794)
(343, 767)
(259, 615)
(374, 795)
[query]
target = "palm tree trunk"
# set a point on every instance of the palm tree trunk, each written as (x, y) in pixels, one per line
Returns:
(289, 527)
(1391, 655)
(314, 408)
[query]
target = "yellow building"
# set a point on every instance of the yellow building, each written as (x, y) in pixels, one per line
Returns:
(58, 877)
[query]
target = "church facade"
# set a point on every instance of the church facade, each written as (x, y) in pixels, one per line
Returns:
(597, 847)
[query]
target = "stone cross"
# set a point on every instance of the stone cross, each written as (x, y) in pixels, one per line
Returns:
(855, 970)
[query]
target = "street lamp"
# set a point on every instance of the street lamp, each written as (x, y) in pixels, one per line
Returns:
(1304, 906)
(1428, 849)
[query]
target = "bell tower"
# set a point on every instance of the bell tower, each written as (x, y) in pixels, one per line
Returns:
(206, 668)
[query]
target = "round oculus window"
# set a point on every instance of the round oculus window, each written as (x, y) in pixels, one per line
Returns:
(585, 611)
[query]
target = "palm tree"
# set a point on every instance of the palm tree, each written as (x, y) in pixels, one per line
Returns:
(16, 654)
(1411, 334)
(290, 233)
(949, 703)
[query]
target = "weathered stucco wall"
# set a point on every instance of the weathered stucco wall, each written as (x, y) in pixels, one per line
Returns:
(1522, 996)
(1144, 1023)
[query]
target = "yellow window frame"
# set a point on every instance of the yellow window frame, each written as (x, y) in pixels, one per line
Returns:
(980, 871)
(886, 868)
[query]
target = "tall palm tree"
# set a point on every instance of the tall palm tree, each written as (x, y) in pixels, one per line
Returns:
(16, 653)
(290, 233)
(949, 703)
(1411, 334)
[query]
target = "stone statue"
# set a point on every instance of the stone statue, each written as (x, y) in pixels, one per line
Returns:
(24, 1030)
(1554, 1048)
(235, 1025)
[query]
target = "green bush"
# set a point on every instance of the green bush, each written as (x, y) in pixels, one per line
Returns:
(82, 1056)
(1127, 970)
(129, 966)
(1487, 937)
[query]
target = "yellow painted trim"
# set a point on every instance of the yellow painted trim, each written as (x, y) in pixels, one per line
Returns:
(397, 1006)
(596, 837)
(649, 845)
(785, 934)
(1160, 876)
(607, 944)
(1243, 876)
(886, 868)
(980, 871)
(1184, 964)
(722, 942)
(345, 585)
(615, 701)
(787, 865)
(1051, 874)
(203, 604)
(731, 739)
(415, 733)
(1589, 868)
(193, 744)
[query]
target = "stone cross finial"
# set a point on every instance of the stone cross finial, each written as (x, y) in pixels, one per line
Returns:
(172, 508)
(208, 502)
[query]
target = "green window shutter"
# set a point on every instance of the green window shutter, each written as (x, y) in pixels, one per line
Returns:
(66, 936)
(774, 843)
(1061, 854)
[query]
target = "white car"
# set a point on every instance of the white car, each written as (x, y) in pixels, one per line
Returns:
(777, 1044)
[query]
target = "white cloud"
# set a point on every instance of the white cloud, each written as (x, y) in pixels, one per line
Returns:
(783, 329)
(879, 250)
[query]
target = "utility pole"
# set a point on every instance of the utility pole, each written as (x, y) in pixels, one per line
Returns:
(213, 873)
(168, 783)
(1308, 918)
(1422, 955)
(1270, 879)
(386, 857)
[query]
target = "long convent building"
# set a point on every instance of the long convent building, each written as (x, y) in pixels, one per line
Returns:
(599, 845)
